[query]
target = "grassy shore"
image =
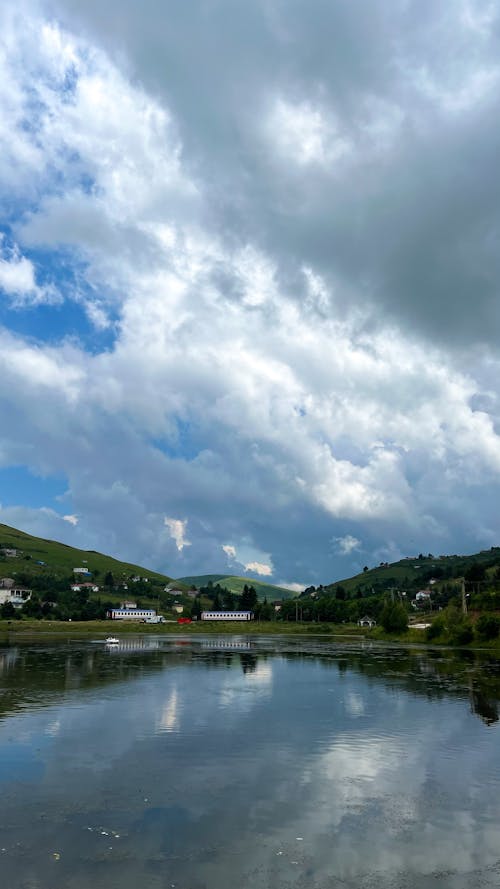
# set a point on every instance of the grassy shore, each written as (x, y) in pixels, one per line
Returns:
(44, 629)
(24, 628)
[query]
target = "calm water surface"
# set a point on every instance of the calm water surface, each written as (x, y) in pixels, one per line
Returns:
(226, 764)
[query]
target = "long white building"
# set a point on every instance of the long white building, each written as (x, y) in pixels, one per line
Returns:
(131, 613)
(227, 615)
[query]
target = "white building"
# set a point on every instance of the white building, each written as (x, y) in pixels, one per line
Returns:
(17, 596)
(131, 613)
(227, 615)
(81, 571)
(367, 622)
(92, 587)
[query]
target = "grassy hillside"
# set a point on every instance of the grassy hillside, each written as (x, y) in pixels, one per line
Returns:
(60, 559)
(414, 573)
(264, 590)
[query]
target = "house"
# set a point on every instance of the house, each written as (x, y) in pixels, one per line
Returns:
(10, 553)
(278, 605)
(17, 596)
(367, 622)
(84, 571)
(423, 596)
(91, 587)
(128, 605)
(6, 583)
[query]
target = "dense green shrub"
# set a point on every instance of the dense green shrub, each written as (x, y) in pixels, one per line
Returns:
(435, 630)
(394, 618)
(488, 626)
(463, 633)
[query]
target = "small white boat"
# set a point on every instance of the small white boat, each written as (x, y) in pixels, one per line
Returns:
(112, 640)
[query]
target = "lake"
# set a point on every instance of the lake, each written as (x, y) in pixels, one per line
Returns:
(227, 763)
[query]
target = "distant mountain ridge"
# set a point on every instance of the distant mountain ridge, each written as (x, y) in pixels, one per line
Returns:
(234, 583)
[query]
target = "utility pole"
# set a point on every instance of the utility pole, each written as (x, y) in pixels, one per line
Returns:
(464, 597)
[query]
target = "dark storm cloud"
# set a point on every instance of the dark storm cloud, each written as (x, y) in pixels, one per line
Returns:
(406, 222)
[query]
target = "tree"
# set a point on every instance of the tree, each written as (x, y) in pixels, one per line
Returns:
(394, 618)
(248, 599)
(488, 626)
(7, 611)
(365, 569)
(109, 580)
(196, 608)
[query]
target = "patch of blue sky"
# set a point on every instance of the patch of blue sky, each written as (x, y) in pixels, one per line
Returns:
(53, 322)
(21, 487)
(184, 444)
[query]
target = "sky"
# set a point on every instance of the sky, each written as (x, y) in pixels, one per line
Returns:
(249, 281)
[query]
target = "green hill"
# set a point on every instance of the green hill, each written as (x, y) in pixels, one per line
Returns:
(414, 573)
(38, 556)
(264, 590)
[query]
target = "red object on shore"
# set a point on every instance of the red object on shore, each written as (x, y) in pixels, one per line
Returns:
(183, 620)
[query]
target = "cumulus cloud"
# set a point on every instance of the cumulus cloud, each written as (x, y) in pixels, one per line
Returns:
(177, 530)
(71, 519)
(346, 545)
(18, 280)
(230, 551)
(259, 568)
(281, 275)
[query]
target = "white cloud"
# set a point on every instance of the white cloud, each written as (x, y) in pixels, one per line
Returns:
(259, 568)
(347, 544)
(294, 587)
(17, 278)
(177, 530)
(305, 134)
(229, 550)
(71, 519)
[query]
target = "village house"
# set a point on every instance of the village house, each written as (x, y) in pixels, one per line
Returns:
(91, 587)
(6, 583)
(16, 596)
(366, 621)
(173, 591)
(9, 553)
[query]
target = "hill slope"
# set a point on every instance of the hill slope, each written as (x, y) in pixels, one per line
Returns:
(60, 559)
(264, 590)
(415, 573)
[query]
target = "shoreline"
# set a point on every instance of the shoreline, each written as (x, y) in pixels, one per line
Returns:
(12, 631)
